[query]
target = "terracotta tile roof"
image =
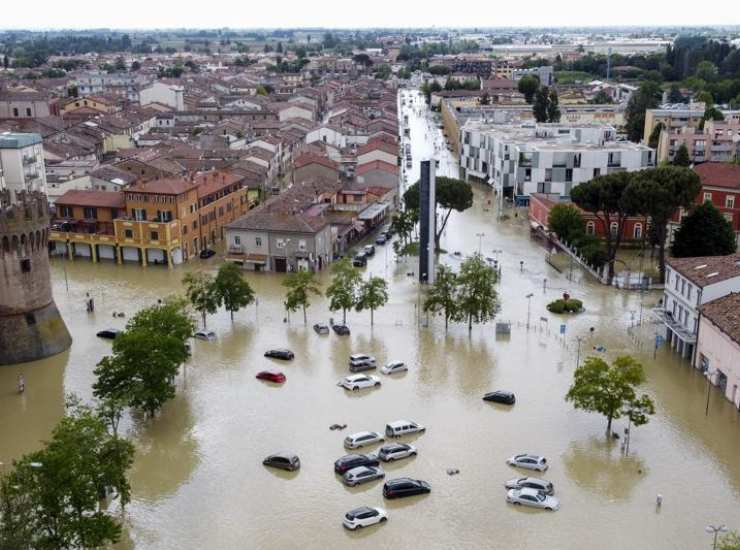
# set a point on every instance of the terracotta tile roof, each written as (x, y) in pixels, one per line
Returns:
(378, 145)
(377, 165)
(168, 186)
(98, 199)
(725, 314)
(215, 180)
(719, 174)
(309, 158)
(707, 270)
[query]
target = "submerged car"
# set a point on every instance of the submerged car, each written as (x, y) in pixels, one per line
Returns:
(321, 328)
(271, 376)
(280, 353)
(405, 487)
(340, 329)
(500, 396)
(109, 333)
(403, 427)
(396, 451)
(347, 462)
(283, 461)
(381, 239)
(359, 381)
(531, 483)
(362, 474)
(359, 362)
(207, 253)
(359, 260)
(533, 498)
(369, 250)
(361, 439)
(207, 335)
(364, 516)
(529, 462)
(393, 367)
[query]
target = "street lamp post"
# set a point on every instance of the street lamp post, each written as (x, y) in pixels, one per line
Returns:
(529, 307)
(480, 240)
(715, 530)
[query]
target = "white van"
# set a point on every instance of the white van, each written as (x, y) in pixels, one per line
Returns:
(403, 427)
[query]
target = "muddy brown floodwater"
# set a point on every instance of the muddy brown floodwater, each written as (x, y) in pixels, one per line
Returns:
(198, 481)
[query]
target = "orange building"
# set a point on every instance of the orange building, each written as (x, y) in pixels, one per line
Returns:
(164, 221)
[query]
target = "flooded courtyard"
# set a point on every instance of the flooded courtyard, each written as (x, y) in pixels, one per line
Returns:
(198, 481)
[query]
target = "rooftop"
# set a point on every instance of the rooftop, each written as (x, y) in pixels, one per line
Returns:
(707, 270)
(725, 314)
(12, 140)
(719, 174)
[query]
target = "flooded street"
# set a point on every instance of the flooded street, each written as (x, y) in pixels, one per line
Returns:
(198, 481)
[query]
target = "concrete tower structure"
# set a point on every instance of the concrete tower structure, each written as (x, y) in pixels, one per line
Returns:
(31, 327)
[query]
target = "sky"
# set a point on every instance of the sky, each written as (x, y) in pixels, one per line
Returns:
(147, 14)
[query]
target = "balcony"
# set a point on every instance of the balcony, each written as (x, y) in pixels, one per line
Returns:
(29, 160)
(683, 333)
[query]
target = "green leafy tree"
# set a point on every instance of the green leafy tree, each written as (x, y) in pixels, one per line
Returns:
(403, 223)
(442, 296)
(604, 197)
(372, 294)
(567, 222)
(231, 289)
(300, 285)
(553, 106)
(707, 71)
(539, 107)
(477, 298)
(681, 158)
(675, 95)
(52, 497)
(528, 86)
(201, 290)
(610, 389)
(654, 139)
(657, 193)
(646, 97)
(601, 98)
(729, 541)
(704, 232)
(145, 360)
(450, 194)
(342, 291)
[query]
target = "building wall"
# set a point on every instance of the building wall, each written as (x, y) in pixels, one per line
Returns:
(24, 109)
(23, 169)
(717, 351)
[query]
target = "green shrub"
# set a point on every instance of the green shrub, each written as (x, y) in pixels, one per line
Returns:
(565, 306)
(558, 306)
(573, 305)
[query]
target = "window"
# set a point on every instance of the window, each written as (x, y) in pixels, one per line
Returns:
(258, 241)
(128, 233)
(28, 111)
(637, 231)
(528, 174)
(301, 244)
(730, 201)
(66, 211)
(590, 228)
(678, 282)
(164, 215)
(707, 197)
(90, 213)
(139, 214)
(577, 160)
(25, 265)
(615, 159)
(154, 235)
(548, 174)
(728, 216)
(280, 243)
(613, 228)
(597, 172)
(15, 111)
(237, 240)
(569, 174)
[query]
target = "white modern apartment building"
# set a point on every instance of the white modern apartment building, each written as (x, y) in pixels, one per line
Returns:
(22, 163)
(161, 92)
(690, 283)
(518, 160)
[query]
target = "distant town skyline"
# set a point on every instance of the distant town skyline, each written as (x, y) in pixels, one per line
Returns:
(138, 14)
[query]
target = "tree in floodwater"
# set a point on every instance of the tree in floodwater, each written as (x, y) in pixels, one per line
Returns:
(200, 288)
(300, 285)
(342, 291)
(610, 390)
(442, 296)
(477, 297)
(372, 294)
(231, 289)
(52, 497)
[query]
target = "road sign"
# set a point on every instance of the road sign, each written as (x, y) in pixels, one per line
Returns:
(562, 329)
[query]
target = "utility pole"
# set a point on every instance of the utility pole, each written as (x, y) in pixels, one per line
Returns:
(529, 307)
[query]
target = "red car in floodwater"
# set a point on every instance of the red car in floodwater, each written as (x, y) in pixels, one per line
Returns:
(272, 376)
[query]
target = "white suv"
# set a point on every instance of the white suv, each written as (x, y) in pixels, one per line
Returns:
(403, 427)
(364, 516)
(359, 381)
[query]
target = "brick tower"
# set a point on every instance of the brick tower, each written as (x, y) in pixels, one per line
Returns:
(31, 327)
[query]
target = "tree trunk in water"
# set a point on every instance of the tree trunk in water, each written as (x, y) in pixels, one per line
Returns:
(446, 322)
(203, 314)
(470, 324)
(344, 316)
(372, 319)
(610, 273)
(305, 321)
(609, 426)
(231, 311)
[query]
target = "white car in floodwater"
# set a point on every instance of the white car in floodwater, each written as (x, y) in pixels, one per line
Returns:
(359, 381)
(532, 498)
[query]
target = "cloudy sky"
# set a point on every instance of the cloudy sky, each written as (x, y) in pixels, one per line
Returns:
(374, 13)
